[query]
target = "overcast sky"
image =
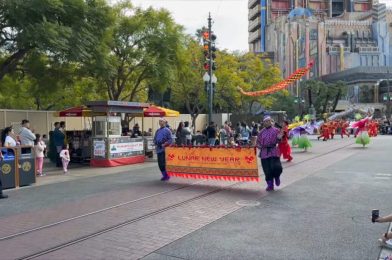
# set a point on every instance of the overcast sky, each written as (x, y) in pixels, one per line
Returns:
(230, 18)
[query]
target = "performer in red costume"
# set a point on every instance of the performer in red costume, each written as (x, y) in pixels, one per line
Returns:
(373, 128)
(284, 145)
(325, 132)
(332, 128)
(343, 126)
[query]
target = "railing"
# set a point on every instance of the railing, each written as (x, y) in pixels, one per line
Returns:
(254, 12)
(367, 49)
(336, 49)
(255, 24)
(252, 3)
(254, 36)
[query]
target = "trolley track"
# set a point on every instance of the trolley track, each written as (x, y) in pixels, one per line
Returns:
(136, 219)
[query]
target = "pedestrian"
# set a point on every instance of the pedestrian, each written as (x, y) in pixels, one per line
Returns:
(2, 195)
(59, 141)
(245, 134)
(189, 134)
(255, 132)
(385, 236)
(39, 149)
(223, 136)
(211, 134)
(26, 136)
(180, 138)
(45, 139)
(65, 158)
(162, 139)
(8, 137)
(136, 131)
(267, 142)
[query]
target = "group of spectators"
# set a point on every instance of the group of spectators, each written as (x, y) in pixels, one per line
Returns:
(241, 134)
(28, 141)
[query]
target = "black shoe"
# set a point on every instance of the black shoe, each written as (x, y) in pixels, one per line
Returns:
(3, 196)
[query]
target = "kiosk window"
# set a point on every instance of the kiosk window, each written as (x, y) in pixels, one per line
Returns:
(114, 128)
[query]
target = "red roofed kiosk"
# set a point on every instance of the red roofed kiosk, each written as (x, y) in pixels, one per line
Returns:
(109, 148)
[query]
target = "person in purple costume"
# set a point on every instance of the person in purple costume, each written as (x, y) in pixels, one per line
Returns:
(267, 142)
(162, 139)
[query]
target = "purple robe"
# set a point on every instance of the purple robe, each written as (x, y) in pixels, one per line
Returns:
(267, 141)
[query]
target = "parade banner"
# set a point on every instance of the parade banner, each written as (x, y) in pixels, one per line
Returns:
(215, 163)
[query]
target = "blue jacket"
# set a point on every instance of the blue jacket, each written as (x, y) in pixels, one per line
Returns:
(162, 135)
(58, 137)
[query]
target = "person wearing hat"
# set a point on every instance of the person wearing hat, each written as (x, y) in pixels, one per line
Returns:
(267, 142)
(162, 138)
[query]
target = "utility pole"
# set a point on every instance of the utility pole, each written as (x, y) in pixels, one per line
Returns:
(210, 90)
(389, 100)
(209, 65)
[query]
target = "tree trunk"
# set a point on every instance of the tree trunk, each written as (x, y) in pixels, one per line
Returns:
(335, 104)
(325, 105)
(9, 65)
(310, 97)
(194, 117)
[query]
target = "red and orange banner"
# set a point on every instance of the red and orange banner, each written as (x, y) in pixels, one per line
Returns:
(298, 74)
(215, 163)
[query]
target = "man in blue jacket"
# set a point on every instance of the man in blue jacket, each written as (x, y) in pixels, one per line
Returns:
(58, 139)
(163, 138)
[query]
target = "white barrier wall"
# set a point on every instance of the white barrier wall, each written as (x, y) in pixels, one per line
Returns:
(42, 121)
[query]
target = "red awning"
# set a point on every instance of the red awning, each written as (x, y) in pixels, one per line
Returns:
(75, 112)
(154, 111)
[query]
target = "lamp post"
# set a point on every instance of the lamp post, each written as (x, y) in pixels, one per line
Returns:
(210, 83)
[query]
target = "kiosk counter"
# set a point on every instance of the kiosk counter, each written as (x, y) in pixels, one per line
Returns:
(109, 148)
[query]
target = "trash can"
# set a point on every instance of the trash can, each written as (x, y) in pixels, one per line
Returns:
(8, 168)
(26, 169)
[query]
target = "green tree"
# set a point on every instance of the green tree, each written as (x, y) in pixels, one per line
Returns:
(188, 88)
(140, 52)
(227, 98)
(257, 74)
(323, 96)
(65, 30)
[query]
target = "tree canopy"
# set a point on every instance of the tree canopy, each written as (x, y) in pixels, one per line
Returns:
(60, 53)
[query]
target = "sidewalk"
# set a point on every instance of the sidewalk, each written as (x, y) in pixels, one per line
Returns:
(81, 171)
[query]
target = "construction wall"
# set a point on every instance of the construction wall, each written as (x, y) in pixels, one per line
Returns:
(42, 121)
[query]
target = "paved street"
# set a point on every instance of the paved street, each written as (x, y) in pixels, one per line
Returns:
(321, 211)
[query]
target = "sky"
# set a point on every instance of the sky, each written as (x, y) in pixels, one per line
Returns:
(230, 18)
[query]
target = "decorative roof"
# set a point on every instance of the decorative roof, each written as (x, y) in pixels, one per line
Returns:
(299, 12)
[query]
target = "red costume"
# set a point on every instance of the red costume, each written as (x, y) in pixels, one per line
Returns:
(284, 146)
(343, 127)
(325, 132)
(373, 128)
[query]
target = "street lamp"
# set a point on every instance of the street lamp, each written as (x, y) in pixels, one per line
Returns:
(300, 101)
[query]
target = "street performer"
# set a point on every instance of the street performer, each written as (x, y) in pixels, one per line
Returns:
(343, 128)
(267, 142)
(162, 139)
(284, 146)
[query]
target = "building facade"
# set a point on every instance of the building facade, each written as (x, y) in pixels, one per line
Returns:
(262, 13)
(341, 38)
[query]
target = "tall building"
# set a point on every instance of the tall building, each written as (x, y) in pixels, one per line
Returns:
(264, 12)
(347, 40)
